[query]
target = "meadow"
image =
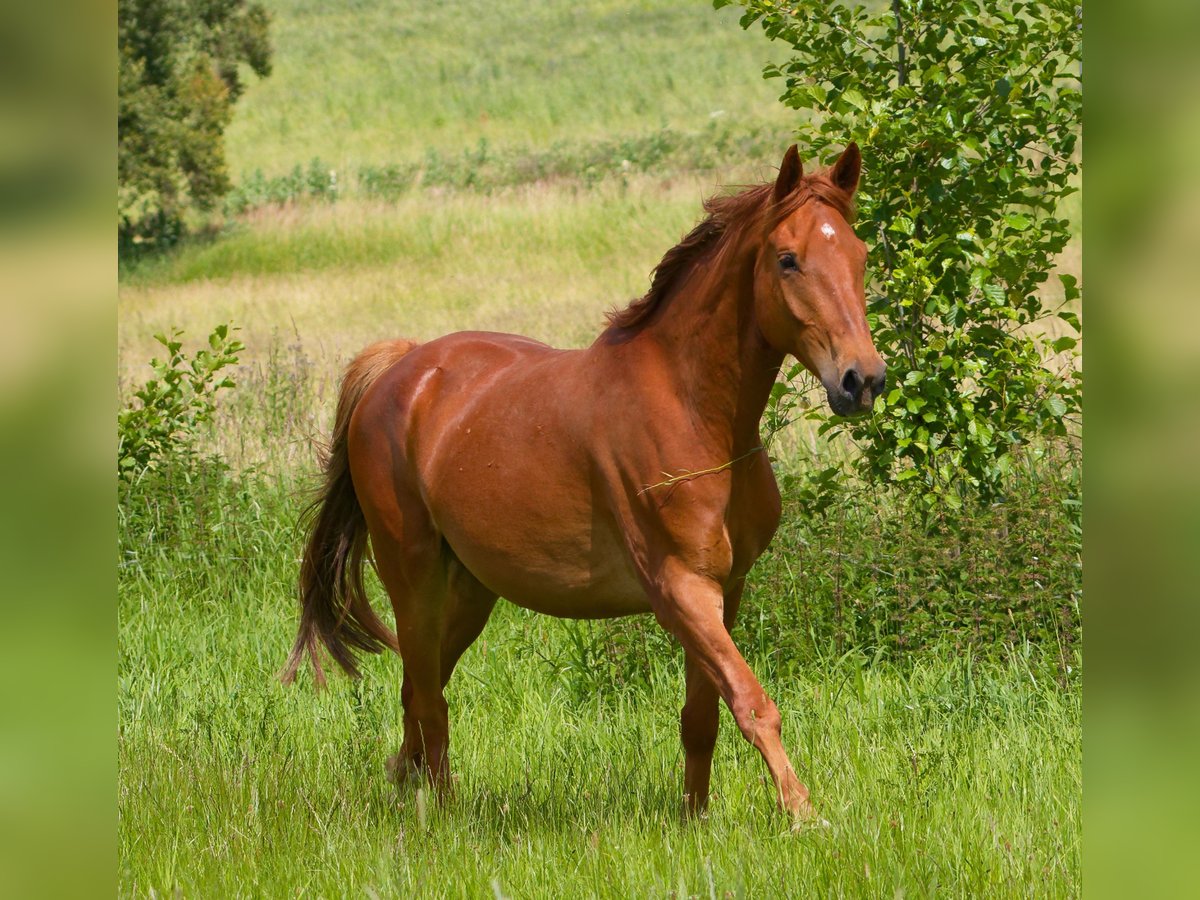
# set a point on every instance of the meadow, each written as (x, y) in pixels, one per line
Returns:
(939, 772)
(930, 676)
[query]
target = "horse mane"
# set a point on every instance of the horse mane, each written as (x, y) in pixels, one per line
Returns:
(728, 214)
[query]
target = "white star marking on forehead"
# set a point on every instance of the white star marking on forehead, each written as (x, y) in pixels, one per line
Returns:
(827, 230)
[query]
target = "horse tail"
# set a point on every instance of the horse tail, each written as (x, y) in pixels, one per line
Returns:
(334, 609)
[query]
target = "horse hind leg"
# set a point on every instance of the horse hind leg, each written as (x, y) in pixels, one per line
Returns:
(440, 610)
(699, 722)
(469, 605)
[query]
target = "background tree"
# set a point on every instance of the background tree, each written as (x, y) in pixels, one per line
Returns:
(178, 78)
(968, 115)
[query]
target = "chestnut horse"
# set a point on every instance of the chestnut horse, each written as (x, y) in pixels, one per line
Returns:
(627, 477)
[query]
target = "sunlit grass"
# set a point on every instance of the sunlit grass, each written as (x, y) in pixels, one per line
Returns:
(546, 261)
(944, 776)
(369, 82)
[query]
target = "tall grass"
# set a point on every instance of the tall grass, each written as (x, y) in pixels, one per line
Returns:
(541, 260)
(944, 774)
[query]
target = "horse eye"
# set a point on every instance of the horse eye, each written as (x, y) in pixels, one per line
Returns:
(787, 263)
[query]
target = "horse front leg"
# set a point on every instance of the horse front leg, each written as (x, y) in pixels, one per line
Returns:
(691, 606)
(699, 719)
(698, 724)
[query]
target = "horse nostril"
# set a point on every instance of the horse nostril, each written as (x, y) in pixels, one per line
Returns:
(852, 382)
(876, 384)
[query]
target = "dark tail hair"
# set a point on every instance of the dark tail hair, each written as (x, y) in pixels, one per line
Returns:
(334, 609)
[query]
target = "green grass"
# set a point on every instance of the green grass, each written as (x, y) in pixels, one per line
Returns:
(938, 776)
(486, 168)
(541, 260)
(460, 234)
(368, 82)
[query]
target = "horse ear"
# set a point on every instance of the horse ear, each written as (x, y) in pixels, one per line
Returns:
(847, 169)
(790, 171)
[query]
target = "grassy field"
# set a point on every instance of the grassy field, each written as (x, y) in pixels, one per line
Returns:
(952, 769)
(545, 261)
(942, 769)
(370, 82)
(940, 776)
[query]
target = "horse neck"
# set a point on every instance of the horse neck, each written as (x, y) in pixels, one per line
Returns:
(709, 332)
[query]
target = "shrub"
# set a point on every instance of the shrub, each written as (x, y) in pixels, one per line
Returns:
(968, 116)
(162, 428)
(177, 80)
(317, 182)
(869, 576)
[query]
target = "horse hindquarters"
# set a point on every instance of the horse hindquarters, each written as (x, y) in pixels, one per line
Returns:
(439, 606)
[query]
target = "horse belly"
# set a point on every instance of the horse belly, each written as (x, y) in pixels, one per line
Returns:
(559, 565)
(529, 528)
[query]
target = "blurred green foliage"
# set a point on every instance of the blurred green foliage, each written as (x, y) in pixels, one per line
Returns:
(178, 78)
(968, 115)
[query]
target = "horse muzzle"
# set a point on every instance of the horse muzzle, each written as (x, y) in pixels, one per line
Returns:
(855, 393)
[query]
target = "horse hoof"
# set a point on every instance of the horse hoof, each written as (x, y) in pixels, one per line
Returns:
(392, 769)
(400, 770)
(804, 815)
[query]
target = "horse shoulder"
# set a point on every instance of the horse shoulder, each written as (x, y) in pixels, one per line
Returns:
(681, 523)
(755, 511)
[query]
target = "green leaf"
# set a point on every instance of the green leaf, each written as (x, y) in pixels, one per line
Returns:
(855, 99)
(979, 275)
(1063, 343)
(1071, 319)
(1056, 406)
(1070, 288)
(995, 294)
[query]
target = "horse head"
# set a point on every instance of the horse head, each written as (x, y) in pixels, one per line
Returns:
(809, 282)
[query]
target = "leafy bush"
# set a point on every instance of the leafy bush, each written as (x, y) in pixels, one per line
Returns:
(869, 576)
(162, 428)
(317, 182)
(177, 80)
(968, 115)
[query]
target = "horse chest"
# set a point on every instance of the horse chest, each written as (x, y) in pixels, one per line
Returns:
(754, 512)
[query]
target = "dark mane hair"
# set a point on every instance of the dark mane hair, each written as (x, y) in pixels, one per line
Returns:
(728, 214)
